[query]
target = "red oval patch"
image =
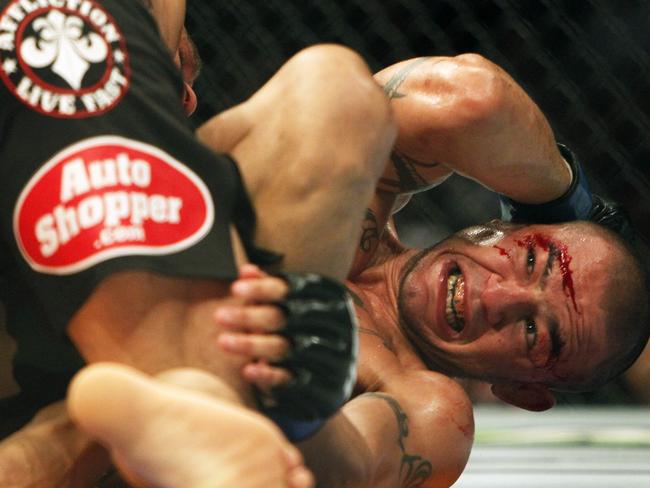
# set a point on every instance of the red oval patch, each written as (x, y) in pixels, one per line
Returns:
(107, 197)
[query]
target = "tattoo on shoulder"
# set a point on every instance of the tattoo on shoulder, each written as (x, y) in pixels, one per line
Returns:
(398, 78)
(414, 469)
(408, 173)
(370, 234)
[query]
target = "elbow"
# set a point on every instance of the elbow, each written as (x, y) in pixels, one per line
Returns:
(480, 90)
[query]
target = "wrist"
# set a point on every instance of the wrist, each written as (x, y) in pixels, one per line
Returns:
(574, 204)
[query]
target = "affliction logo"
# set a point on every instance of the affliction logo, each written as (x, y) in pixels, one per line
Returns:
(107, 197)
(63, 58)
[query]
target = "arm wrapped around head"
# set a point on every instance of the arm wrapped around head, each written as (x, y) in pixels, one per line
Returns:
(577, 203)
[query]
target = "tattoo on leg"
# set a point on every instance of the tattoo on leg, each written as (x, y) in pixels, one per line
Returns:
(414, 470)
(408, 174)
(370, 234)
(398, 78)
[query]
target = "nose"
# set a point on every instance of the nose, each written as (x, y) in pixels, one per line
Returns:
(506, 300)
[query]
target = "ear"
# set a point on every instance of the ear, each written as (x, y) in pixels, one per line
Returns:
(535, 397)
(189, 99)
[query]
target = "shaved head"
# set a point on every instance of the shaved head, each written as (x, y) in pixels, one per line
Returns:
(627, 307)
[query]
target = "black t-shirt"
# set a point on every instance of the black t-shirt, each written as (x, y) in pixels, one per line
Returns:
(99, 169)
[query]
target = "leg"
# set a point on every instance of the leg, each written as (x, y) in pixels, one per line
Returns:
(43, 451)
(311, 144)
(161, 434)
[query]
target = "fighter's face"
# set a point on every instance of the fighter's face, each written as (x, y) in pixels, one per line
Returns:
(510, 303)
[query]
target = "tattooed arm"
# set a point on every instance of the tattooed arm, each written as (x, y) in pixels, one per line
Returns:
(415, 435)
(461, 114)
(467, 115)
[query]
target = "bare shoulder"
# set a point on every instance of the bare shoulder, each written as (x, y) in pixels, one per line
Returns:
(416, 429)
(440, 422)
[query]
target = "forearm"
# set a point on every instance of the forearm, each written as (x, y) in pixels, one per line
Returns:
(338, 455)
(509, 146)
(468, 115)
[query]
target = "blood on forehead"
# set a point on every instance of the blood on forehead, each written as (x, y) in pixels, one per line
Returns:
(561, 254)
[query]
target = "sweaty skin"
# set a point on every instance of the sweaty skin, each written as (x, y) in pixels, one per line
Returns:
(391, 433)
(521, 303)
(408, 350)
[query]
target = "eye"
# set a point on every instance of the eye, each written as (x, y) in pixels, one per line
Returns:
(530, 260)
(531, 333)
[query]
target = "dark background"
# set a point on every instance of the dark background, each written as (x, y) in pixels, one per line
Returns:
(585, 62)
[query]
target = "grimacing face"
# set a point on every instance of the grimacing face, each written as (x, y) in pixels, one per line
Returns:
(507, 303)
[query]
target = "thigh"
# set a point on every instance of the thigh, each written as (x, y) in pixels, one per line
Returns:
(155, 323)
(311, 144)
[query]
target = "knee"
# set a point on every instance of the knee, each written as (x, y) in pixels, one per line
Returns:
(344, 81)
(352, 108)
(333, 62)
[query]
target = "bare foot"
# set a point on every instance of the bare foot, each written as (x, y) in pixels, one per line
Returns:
(165, 435)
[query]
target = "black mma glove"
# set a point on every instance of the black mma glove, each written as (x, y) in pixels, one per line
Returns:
(577, 203)
(612, 215)
(321, 327)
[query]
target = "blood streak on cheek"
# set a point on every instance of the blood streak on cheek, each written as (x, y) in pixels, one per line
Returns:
(563, 257)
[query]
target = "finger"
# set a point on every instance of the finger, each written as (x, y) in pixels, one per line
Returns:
(267, 289)
(249, 271)
(298, 475)
(255, 318)
(301, 477)
(265, 376)
(269, 347)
